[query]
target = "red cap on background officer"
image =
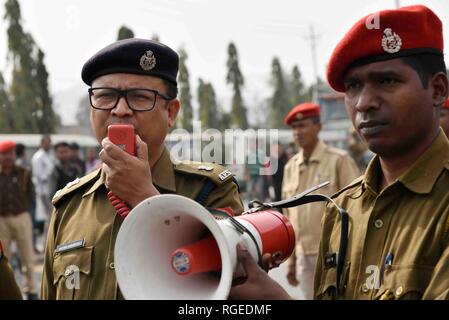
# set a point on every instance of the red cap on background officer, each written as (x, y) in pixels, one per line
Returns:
(7, 145)
(302, 111)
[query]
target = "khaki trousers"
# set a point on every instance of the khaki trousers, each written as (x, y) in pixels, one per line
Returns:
(19, 228)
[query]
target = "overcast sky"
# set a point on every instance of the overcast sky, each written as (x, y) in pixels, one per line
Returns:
(70, 31)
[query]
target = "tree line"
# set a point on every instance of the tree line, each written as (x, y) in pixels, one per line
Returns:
(26, 104)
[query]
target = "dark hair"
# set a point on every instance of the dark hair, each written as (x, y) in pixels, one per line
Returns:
(60, 145)
(426, 65)
(172, 90)
(20, 149)
(74, 146)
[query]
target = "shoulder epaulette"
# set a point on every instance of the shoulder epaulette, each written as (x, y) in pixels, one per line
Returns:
(336, 151)
(74, 185)
(353, 184)
(215, 172)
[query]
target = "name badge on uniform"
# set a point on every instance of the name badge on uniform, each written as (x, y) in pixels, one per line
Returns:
(70, 246)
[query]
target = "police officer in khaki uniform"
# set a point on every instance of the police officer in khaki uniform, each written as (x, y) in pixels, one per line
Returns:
(9, 290)
(393, 241)
(315, 163)
(132, 81)
(444, 118)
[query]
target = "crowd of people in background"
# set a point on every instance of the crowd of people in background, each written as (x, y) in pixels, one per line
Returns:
(29, 186)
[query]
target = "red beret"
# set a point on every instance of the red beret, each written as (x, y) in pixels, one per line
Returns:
(302, 111)
(446, 105)
(386, 35)
(7, 145)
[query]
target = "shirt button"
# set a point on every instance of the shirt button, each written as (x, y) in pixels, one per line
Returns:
(378, 223)
(364, 288)
(399, 291)
(112, 266)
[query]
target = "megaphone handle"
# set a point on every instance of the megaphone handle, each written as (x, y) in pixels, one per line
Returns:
(242, 229)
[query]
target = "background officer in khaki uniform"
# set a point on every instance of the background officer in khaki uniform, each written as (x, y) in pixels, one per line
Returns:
(16, 197)
(444, 118)
(393, 243)
(315, 163)
(132, 81)
(9, 290)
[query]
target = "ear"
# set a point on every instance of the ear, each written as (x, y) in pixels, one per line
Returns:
(173, 109)
(440, 87)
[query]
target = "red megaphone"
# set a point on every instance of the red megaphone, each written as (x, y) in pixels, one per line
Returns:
(272, 231)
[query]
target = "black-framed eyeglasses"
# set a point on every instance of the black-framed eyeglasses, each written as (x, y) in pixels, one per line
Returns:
(104, 98)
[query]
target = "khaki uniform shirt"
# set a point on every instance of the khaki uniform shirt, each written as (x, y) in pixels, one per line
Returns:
(9, 290)
(325, 164)
(83, 212)
(398, 245)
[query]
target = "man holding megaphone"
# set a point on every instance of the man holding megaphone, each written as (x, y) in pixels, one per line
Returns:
(133, 84)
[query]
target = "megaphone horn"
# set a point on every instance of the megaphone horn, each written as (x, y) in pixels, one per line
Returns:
(169, 247)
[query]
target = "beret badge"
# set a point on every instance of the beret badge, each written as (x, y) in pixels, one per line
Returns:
(148, 61)
(391, 42)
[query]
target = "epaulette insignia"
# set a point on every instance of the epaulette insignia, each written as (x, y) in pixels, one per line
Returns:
(206, 168)
(224, 174)
(72, 183)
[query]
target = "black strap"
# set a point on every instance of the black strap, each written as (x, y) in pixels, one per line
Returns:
(294, 201)
(304, 198)
(239, 227)
(204, 193)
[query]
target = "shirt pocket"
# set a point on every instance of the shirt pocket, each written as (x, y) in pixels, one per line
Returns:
(328, 285)
(406, 282)
(71, 273)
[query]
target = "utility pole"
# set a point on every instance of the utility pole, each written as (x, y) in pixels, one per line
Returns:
(312, 38)
(397, 3)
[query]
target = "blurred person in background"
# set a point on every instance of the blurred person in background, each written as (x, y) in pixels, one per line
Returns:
(65, 170)
(315, 163)
(42, 164)
(93, 162)
(75, 158)
(16, 197)
(21, 158)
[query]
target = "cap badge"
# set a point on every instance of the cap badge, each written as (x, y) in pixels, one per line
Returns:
(299, 116)
(391, 42)
(148, 61)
